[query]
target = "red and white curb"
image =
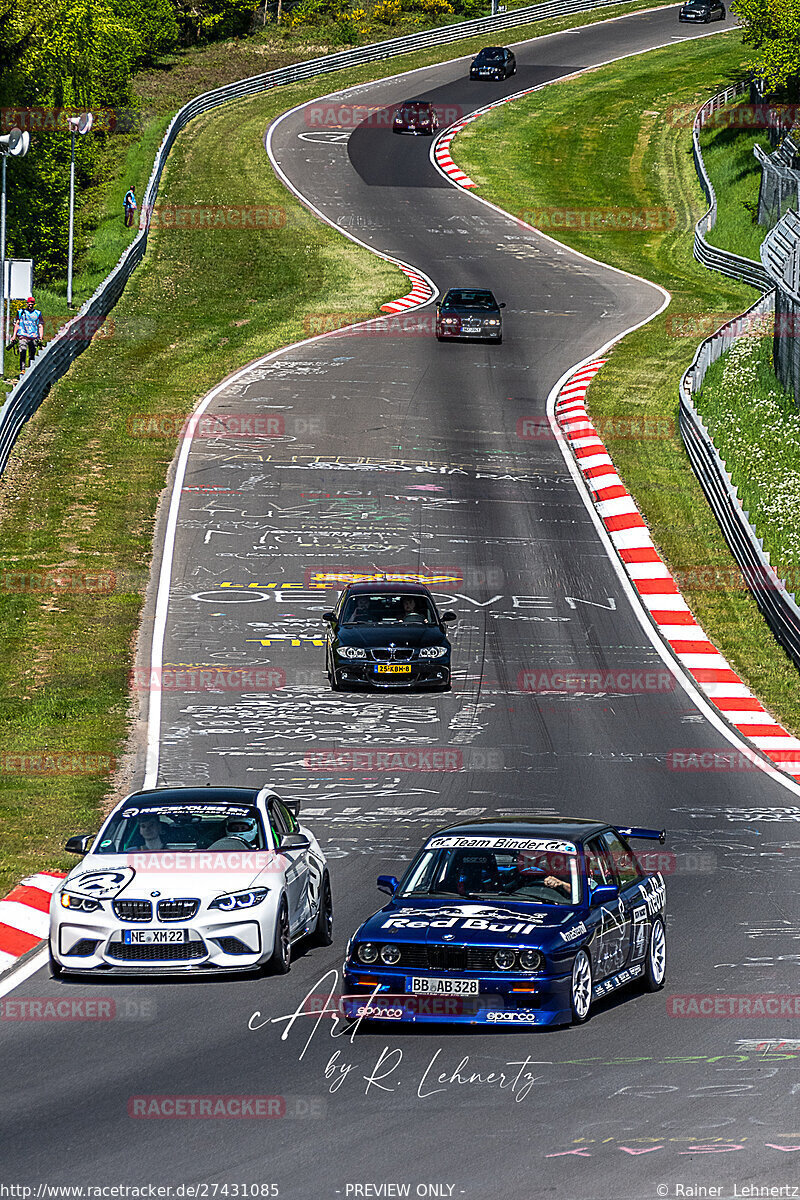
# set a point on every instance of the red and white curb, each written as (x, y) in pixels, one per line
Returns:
(441, 154)
(24, 919)
(657, 588)
(421, 292)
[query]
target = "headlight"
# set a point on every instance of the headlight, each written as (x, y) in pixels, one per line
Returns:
(491, 321)
(531, 960)
(367, 952)
(79, 903)
(236, 900)
(449, 320)
(504, 960)
(351, 652)
(433, 652)
(390, 955)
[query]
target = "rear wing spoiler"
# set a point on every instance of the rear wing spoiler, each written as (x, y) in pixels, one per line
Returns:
(655, 835)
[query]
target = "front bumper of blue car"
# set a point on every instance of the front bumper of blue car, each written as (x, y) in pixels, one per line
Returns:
(500, 1002)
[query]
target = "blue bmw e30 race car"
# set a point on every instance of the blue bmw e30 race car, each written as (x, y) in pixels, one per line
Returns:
(511, 923)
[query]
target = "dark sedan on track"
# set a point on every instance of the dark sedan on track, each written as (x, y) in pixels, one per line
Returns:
(387, 636)
(415, 116)
(493, 62)
(702, 11)
(469, 313)
(511, 923)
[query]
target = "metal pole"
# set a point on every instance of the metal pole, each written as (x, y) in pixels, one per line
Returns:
(71, 220)
(3, 268)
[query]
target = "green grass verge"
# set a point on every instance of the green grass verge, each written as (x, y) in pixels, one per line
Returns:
(605, 140)
(80, 493)
(756, 428)
(727, 148)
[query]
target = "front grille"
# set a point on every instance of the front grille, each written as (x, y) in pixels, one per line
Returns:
(83, 949)
(133, 910)
(395, 654)
(447, 958)
(177, 910)
(233, 945)
(174, 952)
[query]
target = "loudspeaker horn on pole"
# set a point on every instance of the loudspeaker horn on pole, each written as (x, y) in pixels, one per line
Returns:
(16, 142)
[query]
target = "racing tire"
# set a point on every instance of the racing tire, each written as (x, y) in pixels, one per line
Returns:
(580, 991)
(323, 930)
(56, 970)
(655, 967)
(440, 337)
(723, 14)
(282, 949)
(707, 20)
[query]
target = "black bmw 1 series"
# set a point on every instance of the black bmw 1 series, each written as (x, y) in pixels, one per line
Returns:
(469, 313)
(387, 636)
(702, 11)
(493, 62)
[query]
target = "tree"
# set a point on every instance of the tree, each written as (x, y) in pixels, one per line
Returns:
(772, 28)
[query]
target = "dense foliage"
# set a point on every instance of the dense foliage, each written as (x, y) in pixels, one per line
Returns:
(772, 27)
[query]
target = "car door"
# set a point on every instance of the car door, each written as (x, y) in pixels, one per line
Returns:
(629, 877)
(612, 934)
(296, 872)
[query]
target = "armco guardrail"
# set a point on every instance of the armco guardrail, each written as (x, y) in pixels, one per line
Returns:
(771, 594)
(780, 254)
(710, 256)
(55, 360)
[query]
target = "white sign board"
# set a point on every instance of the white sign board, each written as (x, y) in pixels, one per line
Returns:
(19, 278)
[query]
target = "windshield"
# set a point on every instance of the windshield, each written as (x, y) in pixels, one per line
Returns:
(416, 110)
(184, 827)
(388, 608)
(537, 876)
(490, 55)
(469, 299)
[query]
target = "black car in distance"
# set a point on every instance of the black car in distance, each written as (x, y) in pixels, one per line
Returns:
(702, 11)
(415, 116)
(387, 636)
(493, 62)
(469, 313)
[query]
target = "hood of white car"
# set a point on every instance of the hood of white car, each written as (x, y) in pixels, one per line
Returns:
(173, 873)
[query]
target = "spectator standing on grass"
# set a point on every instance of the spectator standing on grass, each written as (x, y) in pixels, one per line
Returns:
(129, 204)
(29, 332)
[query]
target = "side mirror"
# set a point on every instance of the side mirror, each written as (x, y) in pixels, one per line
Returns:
(503, 304)
(388, 884)
(606, 893)
(295, 841)
(329, 617)
(449, 616)
(293, 806)
(79, 844)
